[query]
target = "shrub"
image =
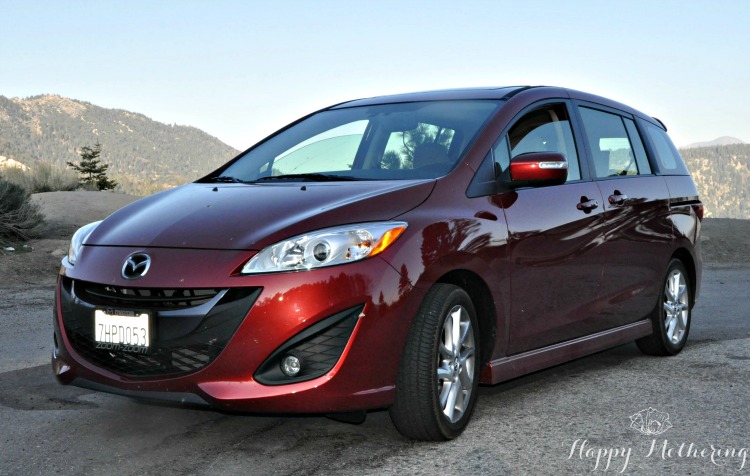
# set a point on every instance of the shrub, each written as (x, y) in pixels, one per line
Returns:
(43, 177)
(48, 178)
(19, 216)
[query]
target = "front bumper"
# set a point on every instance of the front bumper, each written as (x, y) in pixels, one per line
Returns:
(257, 315)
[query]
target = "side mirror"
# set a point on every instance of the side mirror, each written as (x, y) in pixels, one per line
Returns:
(537, 169)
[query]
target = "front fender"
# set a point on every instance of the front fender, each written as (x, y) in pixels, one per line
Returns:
(442, 251)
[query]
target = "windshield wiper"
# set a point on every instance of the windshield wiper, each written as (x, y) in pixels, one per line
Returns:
(310, 177)
(225, 179)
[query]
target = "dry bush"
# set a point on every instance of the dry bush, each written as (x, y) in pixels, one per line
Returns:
(19, 216)
(43, 177)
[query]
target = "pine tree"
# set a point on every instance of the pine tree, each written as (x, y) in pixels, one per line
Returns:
(93, 172)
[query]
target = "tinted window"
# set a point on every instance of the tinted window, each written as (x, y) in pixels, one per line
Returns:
(546, 129)
(644, 168)
(609, 142)
(668, 160)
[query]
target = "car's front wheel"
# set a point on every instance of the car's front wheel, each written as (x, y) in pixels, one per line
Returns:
(437, 382)
(671, 317)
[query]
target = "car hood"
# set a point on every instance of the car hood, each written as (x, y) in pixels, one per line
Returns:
(252, 216)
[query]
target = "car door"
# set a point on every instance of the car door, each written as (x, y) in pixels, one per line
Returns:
(637, 228)
(554, 236)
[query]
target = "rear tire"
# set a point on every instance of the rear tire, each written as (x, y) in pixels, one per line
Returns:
(437, 382)
(672, 315)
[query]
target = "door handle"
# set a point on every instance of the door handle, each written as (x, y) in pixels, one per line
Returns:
(617, 198)
(587, 205)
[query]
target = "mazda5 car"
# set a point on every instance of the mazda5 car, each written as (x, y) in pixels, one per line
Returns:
(391, 253)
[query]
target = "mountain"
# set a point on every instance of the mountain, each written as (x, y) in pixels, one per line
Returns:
(722, 175)
(723, 140)
(144, 156)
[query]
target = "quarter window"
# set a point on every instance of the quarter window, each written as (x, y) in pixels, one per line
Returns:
(668, 159)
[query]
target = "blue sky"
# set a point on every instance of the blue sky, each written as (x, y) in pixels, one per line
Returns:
(240, 70)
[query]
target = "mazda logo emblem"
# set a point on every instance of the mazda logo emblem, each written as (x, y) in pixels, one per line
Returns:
(136, 266)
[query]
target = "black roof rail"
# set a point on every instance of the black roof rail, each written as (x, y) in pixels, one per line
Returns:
(516, 91)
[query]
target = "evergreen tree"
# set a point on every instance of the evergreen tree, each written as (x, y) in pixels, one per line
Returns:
(93, 172)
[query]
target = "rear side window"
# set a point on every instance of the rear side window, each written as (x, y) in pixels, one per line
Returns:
(668, 160)
(614, 146)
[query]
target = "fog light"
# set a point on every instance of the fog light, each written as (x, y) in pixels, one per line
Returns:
(290, 365)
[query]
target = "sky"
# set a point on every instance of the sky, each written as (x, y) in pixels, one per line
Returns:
(240, 70)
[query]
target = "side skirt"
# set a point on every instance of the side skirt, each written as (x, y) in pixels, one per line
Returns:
(507, 368)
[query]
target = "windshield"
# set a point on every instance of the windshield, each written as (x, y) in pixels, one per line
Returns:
(382, 142)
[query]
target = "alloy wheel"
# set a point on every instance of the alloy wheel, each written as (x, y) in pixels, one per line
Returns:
(676, 306)
(455, 365)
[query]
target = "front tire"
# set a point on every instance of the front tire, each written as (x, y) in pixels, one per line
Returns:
(672, 315)
(437, 382)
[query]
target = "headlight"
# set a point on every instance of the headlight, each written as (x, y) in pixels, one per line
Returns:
(77, 241)
(328, 247)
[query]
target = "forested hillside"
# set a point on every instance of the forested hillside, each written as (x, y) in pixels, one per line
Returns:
(722, 175)
(145, 156)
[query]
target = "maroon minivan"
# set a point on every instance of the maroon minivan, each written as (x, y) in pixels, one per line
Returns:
(392, 252)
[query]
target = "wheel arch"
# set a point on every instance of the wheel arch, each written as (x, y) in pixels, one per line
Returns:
(484, 305)
(687, 260)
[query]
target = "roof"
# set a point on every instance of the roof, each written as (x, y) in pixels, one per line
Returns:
(439, 95)
(497, 93)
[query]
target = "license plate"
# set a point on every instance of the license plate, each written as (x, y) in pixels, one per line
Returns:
(125, 331)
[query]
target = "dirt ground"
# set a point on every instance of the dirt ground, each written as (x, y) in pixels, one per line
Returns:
(724, 240)
(64, 213)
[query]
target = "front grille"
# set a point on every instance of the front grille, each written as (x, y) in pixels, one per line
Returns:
(185, 338)
(144, 297)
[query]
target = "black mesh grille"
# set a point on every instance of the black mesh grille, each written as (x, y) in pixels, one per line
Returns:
(184, 338)
(144, 297)
(318, 348)
(321, 353)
